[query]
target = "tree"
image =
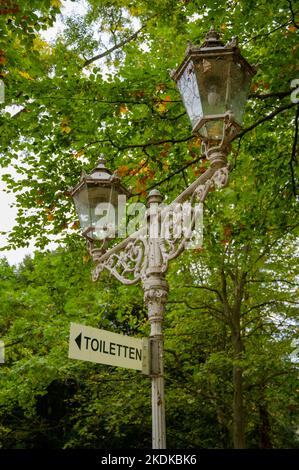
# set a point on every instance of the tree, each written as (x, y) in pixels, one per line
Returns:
(47, 400)
(132, 111)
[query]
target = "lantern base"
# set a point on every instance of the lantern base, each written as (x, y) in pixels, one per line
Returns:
(218, 155)
(94, 252)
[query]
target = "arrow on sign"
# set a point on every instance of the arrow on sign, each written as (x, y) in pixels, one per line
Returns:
(78, 340)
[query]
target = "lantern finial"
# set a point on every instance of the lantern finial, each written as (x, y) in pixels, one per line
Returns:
(101, 161)
(212, 39)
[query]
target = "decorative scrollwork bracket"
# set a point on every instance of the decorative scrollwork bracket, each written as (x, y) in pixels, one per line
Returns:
(129, 260)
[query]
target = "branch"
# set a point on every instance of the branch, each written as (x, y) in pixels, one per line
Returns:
(271, 245)
(263, 304)
(270, 302)
(270, 32)
(211, 310)
(295, 136)
(185, 303)
(273, 280)
(274, 94)
(216, 291)
(116, 46)
(265, 118)
(149, 144)
(269, 377)
(224, 291)
(175, 117)
(261, 326)
(170, 176)
(293, 14)
(13, 344)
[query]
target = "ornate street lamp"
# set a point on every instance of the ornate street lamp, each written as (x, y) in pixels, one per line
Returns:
(213, 80)
(96, 199)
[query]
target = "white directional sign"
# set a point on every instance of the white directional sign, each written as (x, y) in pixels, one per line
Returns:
(95, 345)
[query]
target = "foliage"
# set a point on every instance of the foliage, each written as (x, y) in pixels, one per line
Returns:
(74, 107)
(102, 87)
(47, 400)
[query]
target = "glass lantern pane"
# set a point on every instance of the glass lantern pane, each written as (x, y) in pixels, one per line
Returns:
(240, 79)
(212, 73)
(212, 130)
(188, 87)
(104, 221)
(100, 204)
(82, 207)
(95, 209)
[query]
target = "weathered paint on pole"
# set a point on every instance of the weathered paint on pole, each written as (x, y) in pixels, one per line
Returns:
(155, 296)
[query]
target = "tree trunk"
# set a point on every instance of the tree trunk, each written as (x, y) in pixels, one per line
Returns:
(238, 407)
(265, 428)
(233, 314)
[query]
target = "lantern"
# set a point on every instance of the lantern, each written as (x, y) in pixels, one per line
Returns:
(96, 199)
(214, 81)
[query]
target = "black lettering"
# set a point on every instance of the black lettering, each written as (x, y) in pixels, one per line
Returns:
(132, 353)
(126, 347)
(112, 349)
(87, 338)
(100, 346)
(94, 344)
(105, 351)
(118, 349)
(139, 354)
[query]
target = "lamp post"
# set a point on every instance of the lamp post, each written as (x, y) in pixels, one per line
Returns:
(213, 80)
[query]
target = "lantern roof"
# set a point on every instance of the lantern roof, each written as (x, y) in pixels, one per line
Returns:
(101, 171)
(211, 47)
(101, 176)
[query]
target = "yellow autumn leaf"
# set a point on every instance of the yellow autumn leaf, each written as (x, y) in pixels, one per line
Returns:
(25, 75)
(195, 144)
(160, 86)
(40, 45)
(75, 225)
(123, 109)
(78, 154)
(135, 11)
(161, 107)
(17, 44)
(65, 125)
(56, 3)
